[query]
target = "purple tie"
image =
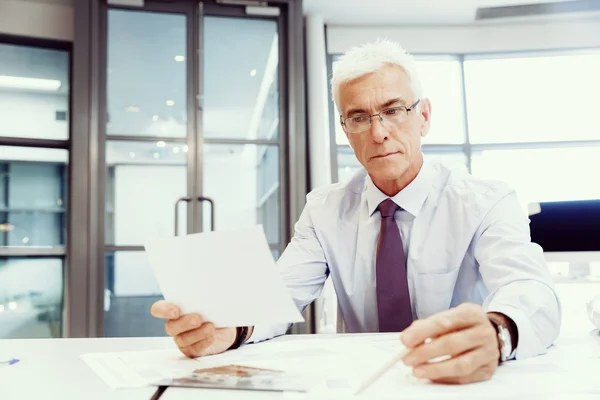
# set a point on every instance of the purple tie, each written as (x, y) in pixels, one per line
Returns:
(393, 297)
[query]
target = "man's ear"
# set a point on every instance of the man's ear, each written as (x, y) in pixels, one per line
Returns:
(425, 112)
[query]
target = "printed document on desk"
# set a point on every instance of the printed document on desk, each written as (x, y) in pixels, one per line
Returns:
(228, 277)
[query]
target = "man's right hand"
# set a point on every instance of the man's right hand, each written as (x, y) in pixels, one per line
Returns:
(193, 336)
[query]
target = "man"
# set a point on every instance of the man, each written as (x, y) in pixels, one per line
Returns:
(411, 246)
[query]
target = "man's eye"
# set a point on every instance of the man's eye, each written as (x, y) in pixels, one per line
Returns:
(359, 118)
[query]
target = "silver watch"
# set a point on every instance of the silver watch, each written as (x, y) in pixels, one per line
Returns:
(504, 340)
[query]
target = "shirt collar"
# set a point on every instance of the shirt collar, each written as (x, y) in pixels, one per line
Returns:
(411, 198)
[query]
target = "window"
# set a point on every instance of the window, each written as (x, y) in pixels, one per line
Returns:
(31, 297)
(131, 289)
(33, 196)
(34, 92)
(542, 174)
(34, 109)
(134, 171)
(254, 199)
(442, 84)
(533, 98)
(146, 85)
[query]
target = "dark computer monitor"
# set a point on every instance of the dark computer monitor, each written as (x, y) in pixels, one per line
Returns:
(567, 229)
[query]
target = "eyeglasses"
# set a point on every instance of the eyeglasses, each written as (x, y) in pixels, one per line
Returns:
(362, 122)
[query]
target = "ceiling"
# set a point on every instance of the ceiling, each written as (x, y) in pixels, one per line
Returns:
(404, 12)
(391, 12)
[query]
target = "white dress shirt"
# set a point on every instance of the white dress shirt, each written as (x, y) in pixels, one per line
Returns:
(466, 240)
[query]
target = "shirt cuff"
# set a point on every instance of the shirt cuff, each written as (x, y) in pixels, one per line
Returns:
(264, 332)
(528, 344)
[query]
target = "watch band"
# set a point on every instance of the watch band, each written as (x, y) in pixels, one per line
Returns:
(240, 337)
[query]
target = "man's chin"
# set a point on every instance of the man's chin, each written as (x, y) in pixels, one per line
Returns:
(388, 174)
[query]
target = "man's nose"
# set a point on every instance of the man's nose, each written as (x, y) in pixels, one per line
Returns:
(378, 131)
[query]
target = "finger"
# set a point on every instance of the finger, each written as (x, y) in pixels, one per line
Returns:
(201, 348)
(188, 338)
(482, 374)
(452, 344)
(165, 310)
(461, 317)
(461, 366)
(183, 324)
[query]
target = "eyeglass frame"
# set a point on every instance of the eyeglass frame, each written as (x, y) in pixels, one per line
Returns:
(408, 109)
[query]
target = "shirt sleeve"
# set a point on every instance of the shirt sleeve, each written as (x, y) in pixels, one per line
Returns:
(304, 271)
(517, 277)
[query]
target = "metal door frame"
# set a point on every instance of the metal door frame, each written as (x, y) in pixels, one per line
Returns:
(211, 9)
(98, 247)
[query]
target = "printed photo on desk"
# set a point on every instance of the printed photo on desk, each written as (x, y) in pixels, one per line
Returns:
(240, 377)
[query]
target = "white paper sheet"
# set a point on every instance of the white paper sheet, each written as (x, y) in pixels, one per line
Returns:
(138, 368)
(229, 278)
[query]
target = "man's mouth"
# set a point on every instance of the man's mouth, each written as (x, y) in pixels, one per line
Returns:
(386, 154)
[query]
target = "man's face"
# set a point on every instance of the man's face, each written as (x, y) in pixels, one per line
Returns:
(386, 149)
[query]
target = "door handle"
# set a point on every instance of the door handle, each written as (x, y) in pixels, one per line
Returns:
(212, 210)
(179, 200)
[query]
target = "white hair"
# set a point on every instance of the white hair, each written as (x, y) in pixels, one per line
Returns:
(369, 58)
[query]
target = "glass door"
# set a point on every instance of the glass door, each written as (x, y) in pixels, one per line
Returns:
(193, 120)
(242, 161)
(149, 153)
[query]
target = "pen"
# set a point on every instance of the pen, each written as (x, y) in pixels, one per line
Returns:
(10, 361)
(382, 371)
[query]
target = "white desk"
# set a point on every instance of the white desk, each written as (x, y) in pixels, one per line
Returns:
(52, 369)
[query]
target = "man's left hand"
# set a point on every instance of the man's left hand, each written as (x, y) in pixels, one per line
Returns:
(465, 334)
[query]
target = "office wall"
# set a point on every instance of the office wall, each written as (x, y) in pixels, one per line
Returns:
(33, 115)
(48, 21)
(498, 37)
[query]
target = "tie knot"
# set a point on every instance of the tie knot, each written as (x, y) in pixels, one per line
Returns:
(387, 208)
